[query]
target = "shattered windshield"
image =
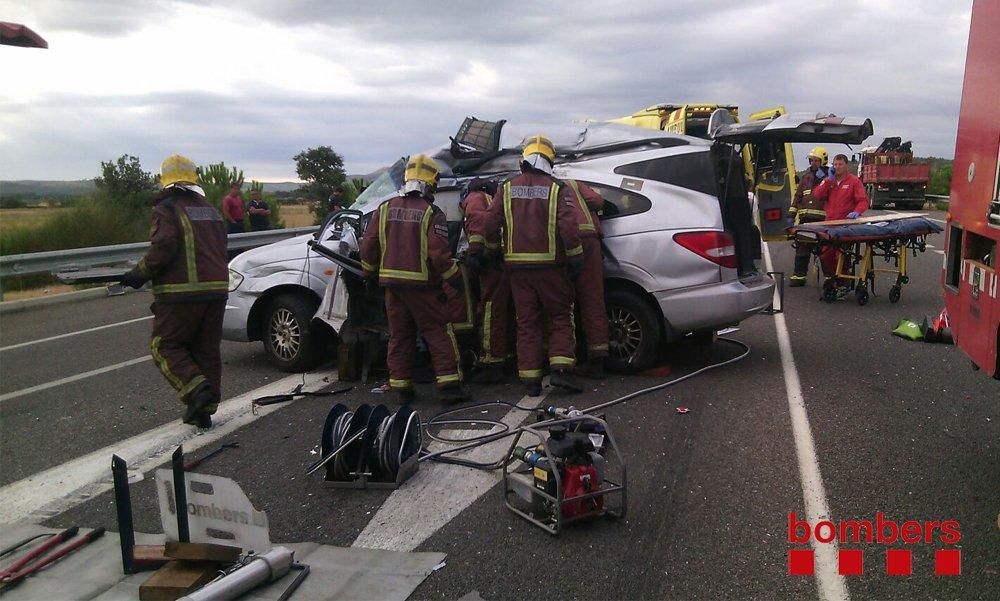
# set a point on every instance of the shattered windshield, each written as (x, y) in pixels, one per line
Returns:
(384, 186)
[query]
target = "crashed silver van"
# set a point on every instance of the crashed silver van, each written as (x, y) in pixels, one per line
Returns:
(681, 248)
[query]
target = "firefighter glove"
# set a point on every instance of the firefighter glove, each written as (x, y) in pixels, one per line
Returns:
(575, 268)
(476, 262)
(132, 279)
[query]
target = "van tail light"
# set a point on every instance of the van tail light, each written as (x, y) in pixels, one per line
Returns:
(717, 247)
(772, 215)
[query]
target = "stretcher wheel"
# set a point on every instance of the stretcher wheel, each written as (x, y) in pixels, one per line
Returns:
(894, 293)
(861, 295)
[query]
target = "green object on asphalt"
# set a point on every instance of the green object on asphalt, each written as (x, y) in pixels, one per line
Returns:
(909, 330)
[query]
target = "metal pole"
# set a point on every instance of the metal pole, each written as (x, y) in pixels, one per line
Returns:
(263, 569)
(180, 495)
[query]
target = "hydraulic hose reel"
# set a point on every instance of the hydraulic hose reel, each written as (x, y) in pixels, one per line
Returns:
(569, 470)
(369, 447)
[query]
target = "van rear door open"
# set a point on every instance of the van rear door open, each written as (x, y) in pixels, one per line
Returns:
(767, 139)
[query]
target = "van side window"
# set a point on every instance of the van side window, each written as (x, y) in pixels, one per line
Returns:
(619, 203)
(692, 171)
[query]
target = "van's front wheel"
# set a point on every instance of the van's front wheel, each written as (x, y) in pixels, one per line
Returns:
(634, 332)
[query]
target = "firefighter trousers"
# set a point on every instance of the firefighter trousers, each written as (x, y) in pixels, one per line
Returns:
(590, 298)
(494, 312)
(186, 346)
(543, 300)
(423, 310)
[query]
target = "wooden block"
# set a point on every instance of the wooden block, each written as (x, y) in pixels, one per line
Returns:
(202, 552)
(176, 579)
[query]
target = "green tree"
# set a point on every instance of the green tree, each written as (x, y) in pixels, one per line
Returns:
(940, 180)
(323, 170)
(125, 183)
(217, 179)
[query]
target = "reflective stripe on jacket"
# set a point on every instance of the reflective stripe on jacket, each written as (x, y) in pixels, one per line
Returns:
(538, 219)
(187, 249)
(475, 206)
(588, 203)
(406, 243)
(804, 203)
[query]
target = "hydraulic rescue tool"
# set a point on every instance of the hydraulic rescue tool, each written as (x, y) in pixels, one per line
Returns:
(369, 447)
(564, 477)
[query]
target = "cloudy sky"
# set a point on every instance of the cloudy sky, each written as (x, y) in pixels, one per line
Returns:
(254, 82)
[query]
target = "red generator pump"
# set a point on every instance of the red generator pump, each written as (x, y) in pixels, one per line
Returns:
(566, 476)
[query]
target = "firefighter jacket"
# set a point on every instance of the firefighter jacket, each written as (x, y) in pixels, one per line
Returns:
(805, 206)
(539, 221)
(187, 250)
(406, 243)
(842, 196)
(588, 203)
(481, 240)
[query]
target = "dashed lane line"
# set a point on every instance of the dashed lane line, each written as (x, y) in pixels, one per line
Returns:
(70, 379)
(831, 585)
(414, 512)
(77, 333)
(55, 490)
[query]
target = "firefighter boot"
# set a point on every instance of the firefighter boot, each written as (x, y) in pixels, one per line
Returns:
(562, 379)
(593, 369)
(491, 373)
(453, 393)
(200, 398)
(800, 269)
(533, 388)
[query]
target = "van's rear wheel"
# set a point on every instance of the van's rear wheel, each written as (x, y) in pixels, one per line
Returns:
(289, 341)
(634, 332)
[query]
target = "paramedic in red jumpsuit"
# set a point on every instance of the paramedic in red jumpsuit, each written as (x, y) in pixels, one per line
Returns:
(405, 246)
(542, 251)
(845, 198)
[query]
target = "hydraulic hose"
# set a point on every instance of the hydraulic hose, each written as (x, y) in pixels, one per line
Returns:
(442, 455)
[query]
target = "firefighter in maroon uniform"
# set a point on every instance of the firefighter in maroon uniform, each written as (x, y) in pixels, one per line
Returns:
(405, 246)
(486, 259)
(845, 198)
(187, 262)
(806, 208)
(542, 251)
(589, 286)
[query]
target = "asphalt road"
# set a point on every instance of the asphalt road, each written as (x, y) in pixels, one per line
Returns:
(902, 428)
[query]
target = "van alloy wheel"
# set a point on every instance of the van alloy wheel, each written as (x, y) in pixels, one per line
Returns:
(625, 334)
(286, 334)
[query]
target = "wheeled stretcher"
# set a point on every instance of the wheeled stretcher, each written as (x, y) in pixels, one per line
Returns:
(859, 242)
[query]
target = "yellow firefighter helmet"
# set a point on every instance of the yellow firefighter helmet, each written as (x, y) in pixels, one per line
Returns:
(820, 153)
(422, 168)
(539, 144)
(177, 169)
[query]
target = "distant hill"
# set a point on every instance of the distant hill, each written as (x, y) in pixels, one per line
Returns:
(58, 189)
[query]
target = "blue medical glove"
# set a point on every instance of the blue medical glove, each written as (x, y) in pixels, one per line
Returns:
(853, 215)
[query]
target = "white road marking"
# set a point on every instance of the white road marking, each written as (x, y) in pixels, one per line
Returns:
(87, 374)
(55, 490)
(927, 216)
(61, 336)
(830, 583)
(419, 508)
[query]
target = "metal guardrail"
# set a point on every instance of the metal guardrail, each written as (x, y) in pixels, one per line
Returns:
(937, 198)
(101, 256)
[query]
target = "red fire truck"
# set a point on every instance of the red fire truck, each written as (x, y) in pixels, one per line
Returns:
(970, 274)
(891, 176)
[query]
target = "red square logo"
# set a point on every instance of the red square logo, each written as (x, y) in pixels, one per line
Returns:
(898, 562)
(851, 562)
(801, 562)
(948, 562)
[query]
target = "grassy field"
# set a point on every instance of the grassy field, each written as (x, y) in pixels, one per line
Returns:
(297, 215)
(18, 218)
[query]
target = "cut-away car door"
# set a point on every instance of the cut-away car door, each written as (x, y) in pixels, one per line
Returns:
(767, 139)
